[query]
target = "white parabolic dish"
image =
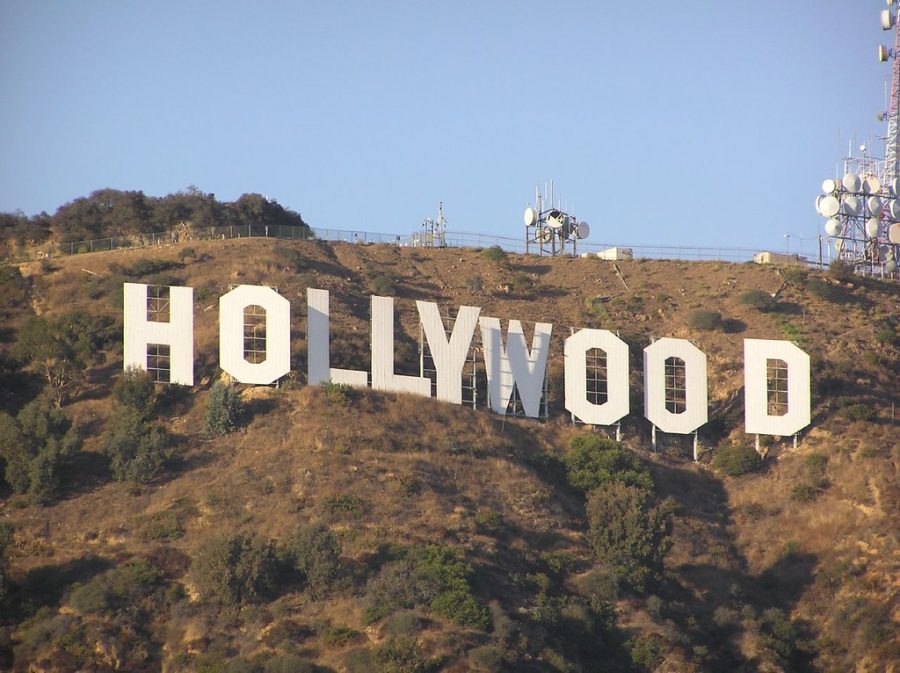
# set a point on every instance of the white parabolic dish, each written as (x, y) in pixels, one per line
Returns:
(833, 227)
(894, 233)
(829, 206)
(852, 205)
(830, 186)
(874, 204)
(895, 209)
(583, 230)
(851, 182)
(872, 227)
(871, 184)
(530, 216)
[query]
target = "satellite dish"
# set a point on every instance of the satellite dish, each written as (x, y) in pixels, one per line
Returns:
(583, 230)
(833, 227)
(851, 182)
(851, 205)
(544, 235)
(531, 216)
(556, 219)
(829, 206)
(873, 226)
(894, 233)
(830, 186)
(887, 19)
(883, 53)
(895, 209)
(895, 186)
(871, 184)
(874, 204)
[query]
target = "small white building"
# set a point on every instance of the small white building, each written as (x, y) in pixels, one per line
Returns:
(780, 258)
(615, 254)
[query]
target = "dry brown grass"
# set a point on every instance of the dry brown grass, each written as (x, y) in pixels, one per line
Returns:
(390, 468)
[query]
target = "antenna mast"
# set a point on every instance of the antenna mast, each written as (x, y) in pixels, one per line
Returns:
(892, 143)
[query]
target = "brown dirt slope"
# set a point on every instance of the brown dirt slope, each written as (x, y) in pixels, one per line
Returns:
(762, 575)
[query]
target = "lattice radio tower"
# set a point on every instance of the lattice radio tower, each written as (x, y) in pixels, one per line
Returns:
(863, 205)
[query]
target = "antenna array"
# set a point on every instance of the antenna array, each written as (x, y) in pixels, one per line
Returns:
(551, 230)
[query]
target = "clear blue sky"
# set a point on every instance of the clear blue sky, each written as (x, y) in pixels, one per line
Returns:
(696, 122)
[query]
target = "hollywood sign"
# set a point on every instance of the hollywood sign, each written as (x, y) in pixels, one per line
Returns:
(508, 363)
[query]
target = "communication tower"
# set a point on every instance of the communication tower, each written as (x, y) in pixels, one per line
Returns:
(862, 206)
(551, 229)
(434, 232)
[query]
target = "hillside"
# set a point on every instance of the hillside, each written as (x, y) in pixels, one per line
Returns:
(362, 531)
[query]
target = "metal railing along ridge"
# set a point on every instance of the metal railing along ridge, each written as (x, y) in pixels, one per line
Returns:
(451, 239)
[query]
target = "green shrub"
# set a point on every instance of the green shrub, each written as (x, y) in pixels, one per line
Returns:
(315, 552)
(758, 299)
(488, 658)
(161, 527)
(399, 655)
(841, 270)
(138, 450)
(804, 492)
(402, 623)
(858, 412)
(338, 394)
(460, 606)
(383, 285)
(184, 253)
(495, 254)
(135, 388)
(488, 521)
(823, 289)
(235, 568)
(705, 320)
(431, 575)
(117, 589)
(592, 461)
(338, 636)
(735, 460)
(145, 267)
(35, 446)
(646, 652)
(224, 409)
(629, 531)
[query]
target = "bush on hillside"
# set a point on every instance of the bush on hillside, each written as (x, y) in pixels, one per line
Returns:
(758, 299)
(858, 412)
(705, 320)
(841, 270)
(224, 409)
(430, 576)
(735, 460)
(823, 289)
(35, 446)
(495, 254)
(315, 552)
(235, 568)
(137, 449)
(135, 389)
(629, 532)
(592, 461)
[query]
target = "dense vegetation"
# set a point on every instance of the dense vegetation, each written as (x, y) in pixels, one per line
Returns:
(109, 213)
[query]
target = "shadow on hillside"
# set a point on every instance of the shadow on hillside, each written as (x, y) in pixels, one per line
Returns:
(721, 602)
(86, 472)
(45, 586)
